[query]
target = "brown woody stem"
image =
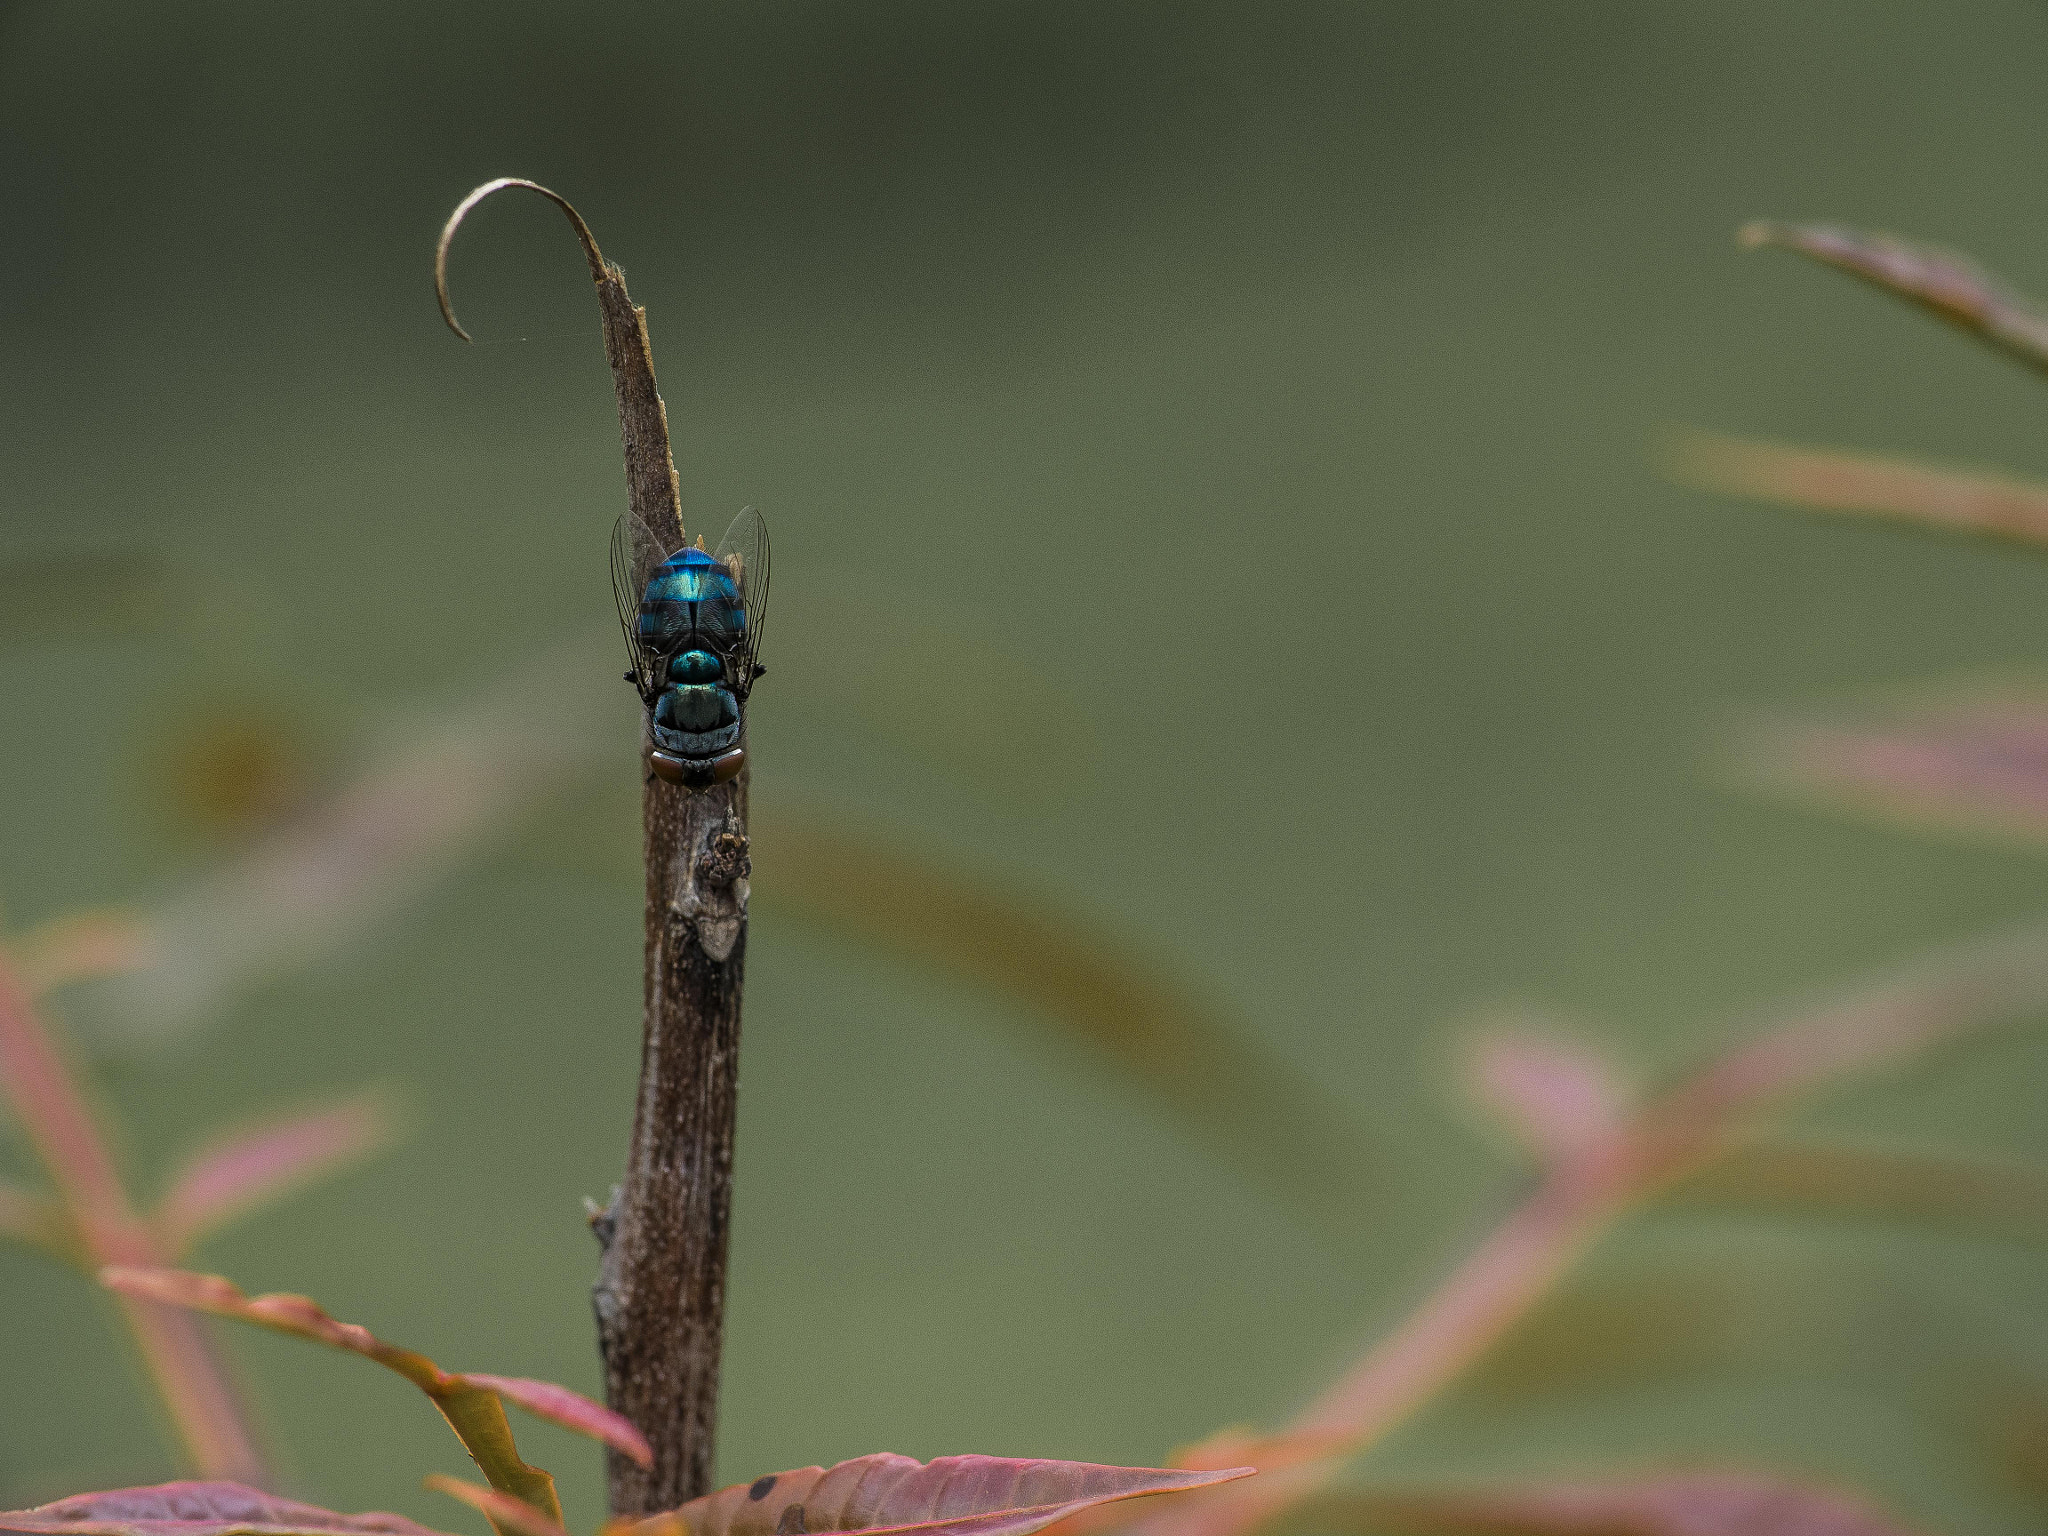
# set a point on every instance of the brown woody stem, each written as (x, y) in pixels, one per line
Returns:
(660, 1292)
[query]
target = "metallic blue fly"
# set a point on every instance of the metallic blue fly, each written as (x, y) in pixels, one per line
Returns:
(693, 633)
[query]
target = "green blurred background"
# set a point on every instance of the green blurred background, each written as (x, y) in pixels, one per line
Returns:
(1209, 454)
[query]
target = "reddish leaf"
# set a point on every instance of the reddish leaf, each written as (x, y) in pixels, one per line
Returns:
(571, 1410)
(1219, 1448)
(470, 1404)
(501, 1509)
(1558, 1097)
(1681, 1504)
(1952, 286)
(251, 1167)
(1976, 764)
(1241, 1447)
(953, 1495)
(1828, 480)
(301, 1315)
(199, 1509)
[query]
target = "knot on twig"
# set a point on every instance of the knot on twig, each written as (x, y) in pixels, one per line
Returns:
(726, 860)
(603, 1220)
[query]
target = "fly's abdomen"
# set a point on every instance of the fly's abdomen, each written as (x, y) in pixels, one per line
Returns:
(696, 719)
(696, 710)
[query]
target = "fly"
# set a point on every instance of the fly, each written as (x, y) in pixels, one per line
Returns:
(693, 634)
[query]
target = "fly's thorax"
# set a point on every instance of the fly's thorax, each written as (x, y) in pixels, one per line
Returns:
(691, 601)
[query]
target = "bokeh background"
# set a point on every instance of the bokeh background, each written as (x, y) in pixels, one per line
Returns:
(1210, 455)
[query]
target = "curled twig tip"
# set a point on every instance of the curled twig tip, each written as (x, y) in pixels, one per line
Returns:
(590, 250)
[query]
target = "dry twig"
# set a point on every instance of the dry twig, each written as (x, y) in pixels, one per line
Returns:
(660, 1293)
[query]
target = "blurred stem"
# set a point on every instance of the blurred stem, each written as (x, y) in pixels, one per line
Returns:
(1495, 1286)
(1583, 1192)
(660, 1292)
(180, 1358)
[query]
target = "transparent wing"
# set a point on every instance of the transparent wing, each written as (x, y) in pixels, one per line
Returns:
(629, 580)
(745, 548)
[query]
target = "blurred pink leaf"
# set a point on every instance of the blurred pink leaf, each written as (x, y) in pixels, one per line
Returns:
(1975, 1195)
(199, 1509)
(1827, 480)
(34, 1220)
(36, 1081)
(1080, 984)
(503, 1511)
(79, 946)
(1963, 990)
(1943, 282)
(1974, 763)
(251, 1167)
(441, 788)
(949, 1496)
(1558, 1096)
(1677, 1504)
(470, 1404)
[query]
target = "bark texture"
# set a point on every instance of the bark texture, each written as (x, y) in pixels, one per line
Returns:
(660, 1293)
